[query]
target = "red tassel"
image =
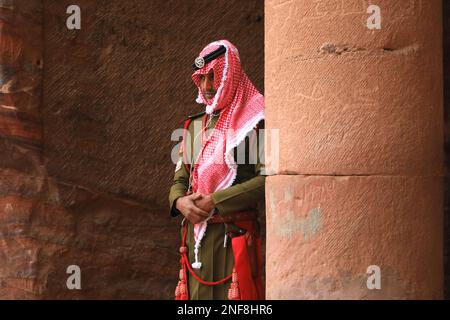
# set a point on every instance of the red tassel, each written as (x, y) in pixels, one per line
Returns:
(233, 292)
(178, 291)
(181, 291)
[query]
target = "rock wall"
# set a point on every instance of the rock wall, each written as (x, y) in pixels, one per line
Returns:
(446, 43)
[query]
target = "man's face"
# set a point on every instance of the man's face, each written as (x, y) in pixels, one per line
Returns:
(207, 85)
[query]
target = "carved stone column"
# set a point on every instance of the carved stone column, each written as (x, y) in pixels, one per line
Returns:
(359, 178)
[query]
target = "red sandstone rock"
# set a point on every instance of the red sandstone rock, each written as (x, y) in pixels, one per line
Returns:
(366, 105)
(372, 106)
(324, 232)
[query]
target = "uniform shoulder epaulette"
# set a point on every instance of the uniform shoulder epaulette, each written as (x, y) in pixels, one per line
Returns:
(196, 115)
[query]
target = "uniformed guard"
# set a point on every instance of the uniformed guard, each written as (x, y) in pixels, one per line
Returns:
(214, 188)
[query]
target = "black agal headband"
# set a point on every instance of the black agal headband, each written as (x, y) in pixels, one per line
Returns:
(201, 61)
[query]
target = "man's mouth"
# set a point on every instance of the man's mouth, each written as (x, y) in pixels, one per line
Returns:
(209, 95)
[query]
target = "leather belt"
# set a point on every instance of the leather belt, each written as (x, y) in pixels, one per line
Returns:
(235, 216)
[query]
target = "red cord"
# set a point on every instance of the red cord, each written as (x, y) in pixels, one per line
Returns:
(185, 259)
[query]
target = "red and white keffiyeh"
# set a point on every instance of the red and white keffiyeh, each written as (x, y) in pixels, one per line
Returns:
(241, 107)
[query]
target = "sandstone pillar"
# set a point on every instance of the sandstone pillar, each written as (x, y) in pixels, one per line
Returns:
(359, 177)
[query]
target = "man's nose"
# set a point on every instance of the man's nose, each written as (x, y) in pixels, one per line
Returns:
(209, 85)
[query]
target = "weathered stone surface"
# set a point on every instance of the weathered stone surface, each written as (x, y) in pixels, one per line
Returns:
(324, 232)
(365, 105)
(446, 14)
(354, 100)
(124, 250)
(116, 89)
(21, 275)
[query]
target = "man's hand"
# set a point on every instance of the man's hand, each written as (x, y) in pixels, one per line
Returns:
(188, 207)
(205, 203)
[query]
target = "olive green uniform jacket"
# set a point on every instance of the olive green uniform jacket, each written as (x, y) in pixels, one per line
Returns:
(245, 192)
